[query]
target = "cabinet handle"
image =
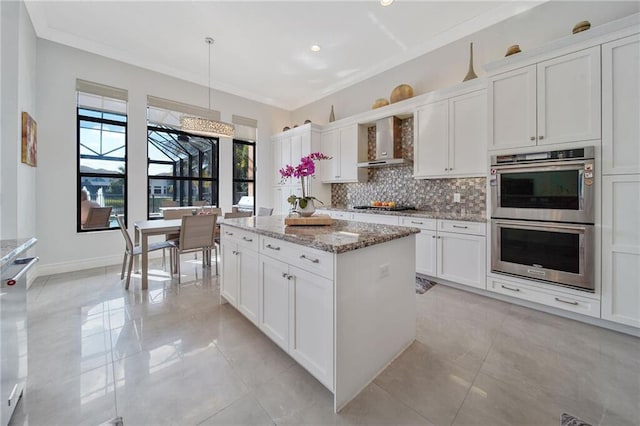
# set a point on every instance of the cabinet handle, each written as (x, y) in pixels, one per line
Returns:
(433, 236)
(310, 259)
(289, 277)
(337, 176)
(285, 275)
(228, 233)
(12, 394)
(567, 302)
(438, 237)
(534, 272)
(417, 223)
(247, 239)
(509, 288)
(445, 169)
(533, 138)
(540, 137)
(461, 227)
(234, 252)
(269, 246)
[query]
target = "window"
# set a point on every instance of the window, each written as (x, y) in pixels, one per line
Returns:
(102, 153)
(244, 173)
(182, 168)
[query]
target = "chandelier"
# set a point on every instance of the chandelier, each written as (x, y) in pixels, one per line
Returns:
(204, 126)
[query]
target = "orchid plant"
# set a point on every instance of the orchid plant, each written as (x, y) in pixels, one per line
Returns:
(305, 169)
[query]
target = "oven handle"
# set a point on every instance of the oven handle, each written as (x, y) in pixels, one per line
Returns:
(540, 226)
(547, 165)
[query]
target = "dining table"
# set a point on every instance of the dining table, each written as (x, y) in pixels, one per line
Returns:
(146, 228)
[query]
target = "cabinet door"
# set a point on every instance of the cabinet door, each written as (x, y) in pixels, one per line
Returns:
(431, 153)
(348, 143)
(468, 134)
(276, 155)
(285, 152)
(621, 100)
(228, 258)
(461, 259)
(311, 320)
(274, 300)
(248, 280)
(512, 109)
(569, 98)
(621, 249)
(296, 150)
(330, 169)
(426, 253)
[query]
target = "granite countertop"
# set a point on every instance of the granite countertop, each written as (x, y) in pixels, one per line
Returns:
(341, 237)
(10, 249)
(468, 217)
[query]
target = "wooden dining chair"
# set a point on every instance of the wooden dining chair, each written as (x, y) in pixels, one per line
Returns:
(196, 234)
(132, 250)
(97, 218)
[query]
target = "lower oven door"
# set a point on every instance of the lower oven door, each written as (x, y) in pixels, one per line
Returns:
(559, 253)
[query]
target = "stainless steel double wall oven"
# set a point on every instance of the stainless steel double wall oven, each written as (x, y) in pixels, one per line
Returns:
(542, 216)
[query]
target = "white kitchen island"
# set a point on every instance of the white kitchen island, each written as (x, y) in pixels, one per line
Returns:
(339, 299)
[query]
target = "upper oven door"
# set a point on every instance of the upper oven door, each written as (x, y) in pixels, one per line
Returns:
(555, 191)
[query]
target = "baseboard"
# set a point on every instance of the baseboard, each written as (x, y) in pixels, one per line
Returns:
(621, 328)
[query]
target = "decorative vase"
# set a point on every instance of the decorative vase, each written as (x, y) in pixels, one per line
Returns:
(470, 74)
(307, 210)
(400, 93)
(380, 103)
(332, 116)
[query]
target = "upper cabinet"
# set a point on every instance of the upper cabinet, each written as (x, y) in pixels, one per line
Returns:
(551, 102)
(347, 148)
(450, 137)
(289, 147)
(621, 99)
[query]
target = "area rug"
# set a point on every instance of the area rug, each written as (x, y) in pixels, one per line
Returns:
(569, 420)
(423, 284)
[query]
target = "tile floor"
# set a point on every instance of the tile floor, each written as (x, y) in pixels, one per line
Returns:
(174, 355)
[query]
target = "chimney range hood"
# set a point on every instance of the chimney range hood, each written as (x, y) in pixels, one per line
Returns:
(388, 144)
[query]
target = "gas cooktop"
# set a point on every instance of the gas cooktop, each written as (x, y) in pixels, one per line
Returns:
(386, 208)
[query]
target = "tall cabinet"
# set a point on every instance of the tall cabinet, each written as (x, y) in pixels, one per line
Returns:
(288, 148)
(621, 181)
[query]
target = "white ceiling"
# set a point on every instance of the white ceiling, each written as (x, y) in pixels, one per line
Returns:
(262, 49)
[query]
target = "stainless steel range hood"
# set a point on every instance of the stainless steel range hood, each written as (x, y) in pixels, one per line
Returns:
(388, 144)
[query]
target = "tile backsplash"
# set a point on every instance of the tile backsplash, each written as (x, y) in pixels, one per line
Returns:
(397, 184)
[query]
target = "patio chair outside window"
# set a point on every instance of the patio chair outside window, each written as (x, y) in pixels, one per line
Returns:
(97, 218)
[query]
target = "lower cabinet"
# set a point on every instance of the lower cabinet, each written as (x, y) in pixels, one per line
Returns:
(451, 250)
(621, 249)
(240, 272)
(296, 312)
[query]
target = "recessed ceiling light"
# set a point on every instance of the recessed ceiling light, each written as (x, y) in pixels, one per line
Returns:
(386, 2)
(315, 47)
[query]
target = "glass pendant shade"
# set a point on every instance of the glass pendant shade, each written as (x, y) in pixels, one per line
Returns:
(204, 126)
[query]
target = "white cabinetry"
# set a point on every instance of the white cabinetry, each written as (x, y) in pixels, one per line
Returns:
(375, 218)
(554, 101)
(450, 137)
(425, 244)
(621, 249)
(288, 148)
(347, 148)
(239, 257)
(621, 106)
(274, 316)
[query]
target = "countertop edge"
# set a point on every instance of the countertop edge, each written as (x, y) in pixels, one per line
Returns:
(414, 213)
(16, 246)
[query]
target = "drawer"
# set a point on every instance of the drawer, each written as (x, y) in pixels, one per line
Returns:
(376, 218)
(581, 305)
(241, 237)
(317, 261)
(419, 222)
(462, 227)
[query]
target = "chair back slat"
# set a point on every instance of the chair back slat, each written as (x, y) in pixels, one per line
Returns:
(197, 231)
(175, 213)
(168, 203)
(98, 217)
(265, 211)
(233, 215)
(125, 234)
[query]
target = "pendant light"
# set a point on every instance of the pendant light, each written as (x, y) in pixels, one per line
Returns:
(204, 126)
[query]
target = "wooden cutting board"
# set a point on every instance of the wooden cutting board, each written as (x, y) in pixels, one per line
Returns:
(321, 219)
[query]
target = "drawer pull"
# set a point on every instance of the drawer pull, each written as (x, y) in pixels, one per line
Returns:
(417, 223)
(509, 288)
(228, 233)
(310, 259)
(574, 303)
(247, 239)
(269, 246)
(285, 275)
(461, 227)
(235, 252)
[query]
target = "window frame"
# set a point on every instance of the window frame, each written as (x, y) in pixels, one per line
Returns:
(252, 144)
(214, 180)
(80, 175)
